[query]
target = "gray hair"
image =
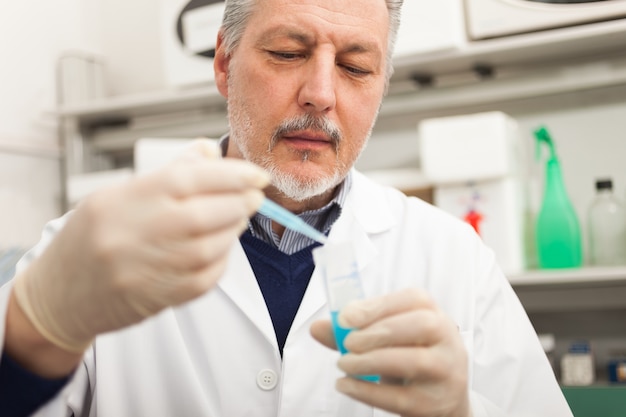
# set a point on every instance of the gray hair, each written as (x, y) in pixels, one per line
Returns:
(237, 12)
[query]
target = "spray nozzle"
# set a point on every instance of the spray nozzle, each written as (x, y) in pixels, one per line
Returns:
(542, 135)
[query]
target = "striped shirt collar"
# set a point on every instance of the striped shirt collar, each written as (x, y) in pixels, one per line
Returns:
(321, 219)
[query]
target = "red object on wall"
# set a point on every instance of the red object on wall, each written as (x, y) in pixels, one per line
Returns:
(474, 218)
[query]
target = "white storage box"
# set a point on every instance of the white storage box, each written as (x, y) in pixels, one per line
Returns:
(430, 26)
(474, 147)
(152, 153)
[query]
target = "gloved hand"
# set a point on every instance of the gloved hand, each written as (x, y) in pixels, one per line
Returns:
(131, 250)
(415, 348)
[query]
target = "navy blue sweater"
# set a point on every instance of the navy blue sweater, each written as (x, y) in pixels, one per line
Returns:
(22, 392)
(282, 278)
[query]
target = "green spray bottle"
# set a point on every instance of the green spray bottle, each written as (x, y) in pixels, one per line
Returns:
(557, 231)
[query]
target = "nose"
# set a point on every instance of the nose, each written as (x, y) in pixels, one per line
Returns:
(317, 92)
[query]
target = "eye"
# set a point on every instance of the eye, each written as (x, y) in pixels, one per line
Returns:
(355, 71)
(287, 56)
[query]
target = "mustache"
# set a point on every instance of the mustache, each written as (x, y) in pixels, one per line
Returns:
(308, 122)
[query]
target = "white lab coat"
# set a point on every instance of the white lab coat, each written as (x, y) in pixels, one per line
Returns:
(217, 355)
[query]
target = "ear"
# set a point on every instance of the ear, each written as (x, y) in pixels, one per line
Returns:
(220, 66)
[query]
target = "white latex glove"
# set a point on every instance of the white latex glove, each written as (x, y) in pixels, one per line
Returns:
(417, 350)
(131, 250)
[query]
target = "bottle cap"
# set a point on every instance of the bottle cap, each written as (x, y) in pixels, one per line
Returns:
(604, 184)
(581, 346)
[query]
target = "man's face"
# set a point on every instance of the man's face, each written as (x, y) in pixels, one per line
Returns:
(304, 87)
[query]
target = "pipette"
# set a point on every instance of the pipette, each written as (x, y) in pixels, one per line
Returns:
(288, 219)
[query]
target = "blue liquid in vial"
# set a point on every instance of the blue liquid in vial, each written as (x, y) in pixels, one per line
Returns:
(340, 334)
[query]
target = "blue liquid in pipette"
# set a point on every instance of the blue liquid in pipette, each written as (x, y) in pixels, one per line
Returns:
(283, 216)
(340, 334)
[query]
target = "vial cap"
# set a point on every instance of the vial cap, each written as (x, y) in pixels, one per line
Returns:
(604, 184)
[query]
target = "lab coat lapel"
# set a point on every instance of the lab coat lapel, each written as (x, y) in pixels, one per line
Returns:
(365, 211)
(240, 285)
(315, 295)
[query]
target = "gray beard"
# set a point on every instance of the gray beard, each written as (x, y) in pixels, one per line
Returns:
(289, 185)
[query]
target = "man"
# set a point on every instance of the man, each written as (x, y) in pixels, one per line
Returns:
(89, 330)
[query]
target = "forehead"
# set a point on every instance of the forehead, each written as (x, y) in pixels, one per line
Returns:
(338, 21)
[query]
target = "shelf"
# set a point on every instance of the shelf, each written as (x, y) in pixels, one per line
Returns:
(144, 104)
(31, 148)
(555, 45)
(581, 289)
(533, 85)
(574, 277)
(526, 66)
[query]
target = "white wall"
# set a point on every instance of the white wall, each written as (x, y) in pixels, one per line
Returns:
(129, 39)
(32, 34)
(29, 196)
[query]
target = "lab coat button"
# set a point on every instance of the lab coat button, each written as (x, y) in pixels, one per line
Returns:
(267, 379)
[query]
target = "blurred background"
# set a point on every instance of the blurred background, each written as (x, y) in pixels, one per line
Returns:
(81, 81)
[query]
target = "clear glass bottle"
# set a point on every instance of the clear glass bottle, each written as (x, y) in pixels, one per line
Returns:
(606, 226)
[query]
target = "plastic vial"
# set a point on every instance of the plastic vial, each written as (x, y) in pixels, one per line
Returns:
(607, 227)
(577, 365)
(338, 265)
